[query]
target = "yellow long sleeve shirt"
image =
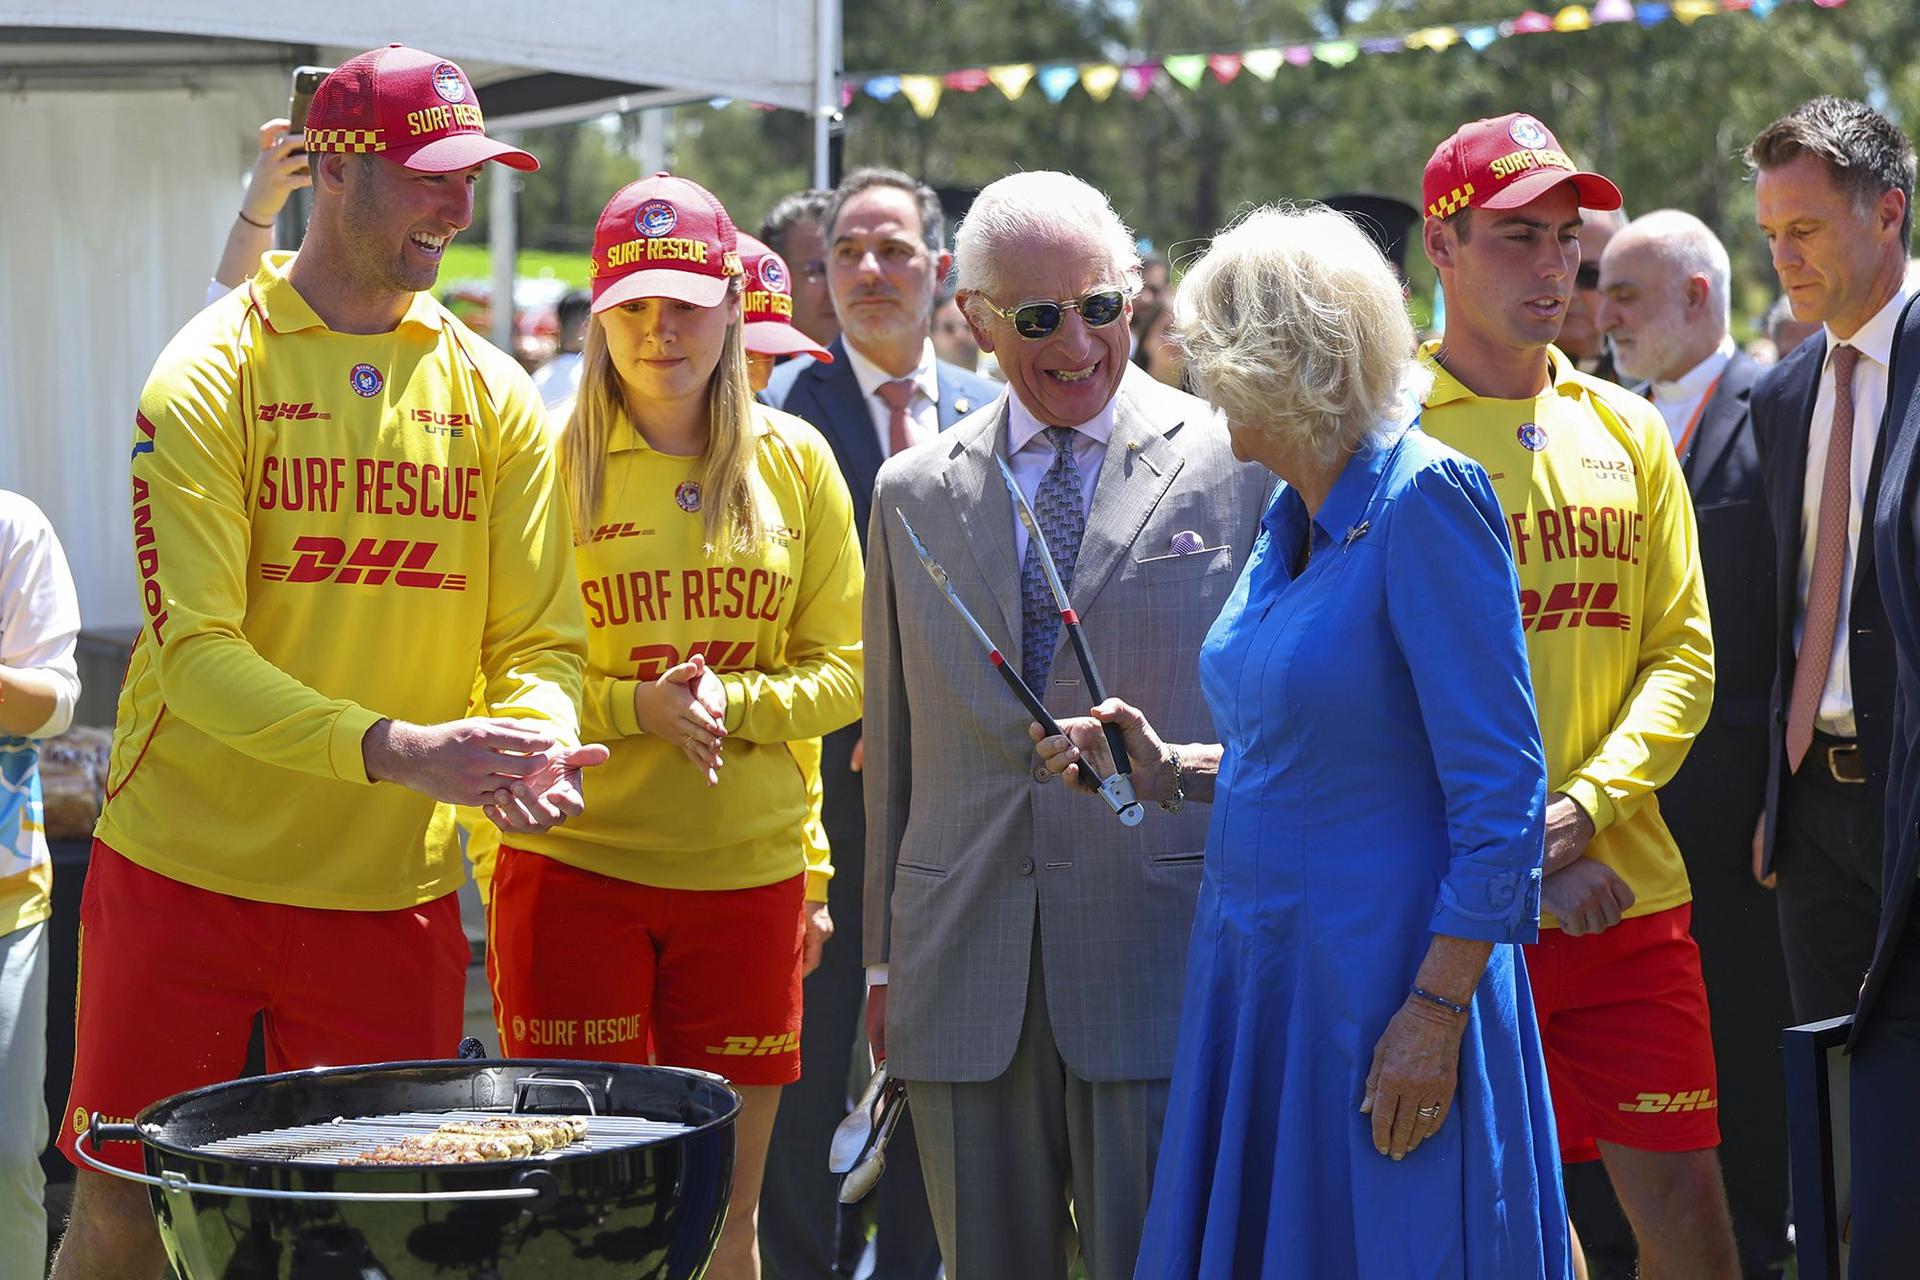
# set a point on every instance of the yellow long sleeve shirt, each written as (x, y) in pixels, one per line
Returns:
(781, 628)
(330, 529)
(1611, 596)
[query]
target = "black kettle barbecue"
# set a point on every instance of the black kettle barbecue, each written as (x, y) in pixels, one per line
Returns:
(247, 1183)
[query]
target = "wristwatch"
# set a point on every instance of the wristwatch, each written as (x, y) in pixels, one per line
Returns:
(1178, 800)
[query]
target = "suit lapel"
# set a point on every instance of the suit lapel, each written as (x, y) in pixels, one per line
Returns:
(1719, 426)
(955, 403)
(837, 392)
(985, 511)
(1139, 468)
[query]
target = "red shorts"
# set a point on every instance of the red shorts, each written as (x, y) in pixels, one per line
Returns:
(587, 966)
(171, 977)
(1623, 1020)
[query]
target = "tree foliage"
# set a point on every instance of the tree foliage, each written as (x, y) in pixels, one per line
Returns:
(1665, 111)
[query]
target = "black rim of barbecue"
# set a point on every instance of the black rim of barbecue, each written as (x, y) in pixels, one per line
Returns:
(153, 1121)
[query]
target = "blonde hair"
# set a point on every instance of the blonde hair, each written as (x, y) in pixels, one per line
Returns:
(731, 517)
(1294, 324)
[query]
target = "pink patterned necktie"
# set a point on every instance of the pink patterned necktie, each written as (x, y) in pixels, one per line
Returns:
(1829, 566)
(897, 396)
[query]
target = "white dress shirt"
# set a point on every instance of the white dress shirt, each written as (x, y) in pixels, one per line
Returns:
(923, 414)
(1874, 341)
(1681, 401)
(1030, 453)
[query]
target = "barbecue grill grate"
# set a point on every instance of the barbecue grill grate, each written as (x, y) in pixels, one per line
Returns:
(329, 1142)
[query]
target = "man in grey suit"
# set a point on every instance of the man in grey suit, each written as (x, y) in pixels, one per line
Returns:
(886, 255)
(1026, 950)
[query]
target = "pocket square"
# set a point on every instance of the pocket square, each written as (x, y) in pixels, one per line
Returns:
(1185, 543)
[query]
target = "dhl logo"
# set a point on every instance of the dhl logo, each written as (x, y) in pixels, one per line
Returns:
(757, 1046)
(1574, 604)
(286, 411)
(607, 532)
(1648, 1104)
(652, 660)
(373, 562)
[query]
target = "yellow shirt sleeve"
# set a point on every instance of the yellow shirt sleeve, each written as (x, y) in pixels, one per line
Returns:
(818, 690)
(533, 649)
(192, 539)
(1673, 691)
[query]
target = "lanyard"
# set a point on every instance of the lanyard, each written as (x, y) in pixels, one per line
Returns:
(1686, 437)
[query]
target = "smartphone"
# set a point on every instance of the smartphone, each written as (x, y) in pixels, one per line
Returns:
(305, 81)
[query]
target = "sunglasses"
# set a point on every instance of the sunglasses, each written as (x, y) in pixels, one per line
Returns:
(1588, 276)
(1036, 320)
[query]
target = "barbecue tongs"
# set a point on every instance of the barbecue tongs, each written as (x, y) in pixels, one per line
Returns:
(859, 1148)
(1117, 790)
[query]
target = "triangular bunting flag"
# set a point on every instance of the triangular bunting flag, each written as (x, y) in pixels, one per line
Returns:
(882, 88)
(1298, 55)
(1057, 81)
(1691, 11)
(1098, 80)
(1613, 11)
(1532, 23)
(1572, 18)
(1478, 38)
(971, 80)
(1187, 68)
(1012, 79)
(1650, 13)
(1336, 53)
(1138, 79)
(1225, 66)
(1261, 62)
(923, 92)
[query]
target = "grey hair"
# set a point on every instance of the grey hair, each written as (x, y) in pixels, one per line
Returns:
(1036, 205)
(933, 219)
(1865, 153)
(1294, 324)
(802, 206)
(1687, 245)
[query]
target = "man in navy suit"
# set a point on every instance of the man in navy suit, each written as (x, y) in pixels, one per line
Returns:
(1886, 1027)
(1833, 188)
(1664, 303)
(885, 391)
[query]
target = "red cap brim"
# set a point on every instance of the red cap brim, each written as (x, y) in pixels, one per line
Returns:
(1595, 191)
(661, 282)
(464, 150)
(777, 338)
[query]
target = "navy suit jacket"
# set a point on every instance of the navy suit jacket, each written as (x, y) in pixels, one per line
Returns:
(1712, 802)
(1782, 417)
(1896, 538)
(828, 396)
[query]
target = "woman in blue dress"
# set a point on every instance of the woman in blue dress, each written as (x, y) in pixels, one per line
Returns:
(1358, 1089)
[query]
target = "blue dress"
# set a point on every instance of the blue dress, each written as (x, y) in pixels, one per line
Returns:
(1383, 781)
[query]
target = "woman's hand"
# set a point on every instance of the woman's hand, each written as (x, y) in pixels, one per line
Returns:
(686, 706)
(278, 171)
(1416, 1065)
(1080, 749)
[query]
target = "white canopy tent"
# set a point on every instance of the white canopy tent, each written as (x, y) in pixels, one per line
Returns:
(126, 129)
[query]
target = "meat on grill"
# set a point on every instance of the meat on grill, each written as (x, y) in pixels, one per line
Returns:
(478, 1141)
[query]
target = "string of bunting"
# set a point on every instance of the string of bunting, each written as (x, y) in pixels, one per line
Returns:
(1137, 79)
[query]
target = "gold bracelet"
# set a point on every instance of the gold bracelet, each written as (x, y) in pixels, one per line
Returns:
(1178, 800)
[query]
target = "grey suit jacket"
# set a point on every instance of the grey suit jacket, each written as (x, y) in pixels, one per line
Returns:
(966, 849)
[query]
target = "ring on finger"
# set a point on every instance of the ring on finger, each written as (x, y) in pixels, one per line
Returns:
(1429, 1112)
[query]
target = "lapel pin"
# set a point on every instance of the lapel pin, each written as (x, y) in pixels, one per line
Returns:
(1133, 447)
(1358, 532)
(962, 405)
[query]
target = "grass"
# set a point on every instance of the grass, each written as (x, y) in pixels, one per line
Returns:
(474, 262)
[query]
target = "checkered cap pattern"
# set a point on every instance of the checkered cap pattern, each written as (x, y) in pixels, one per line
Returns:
(356, 141)
(1451, 203)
